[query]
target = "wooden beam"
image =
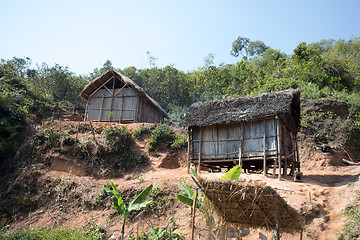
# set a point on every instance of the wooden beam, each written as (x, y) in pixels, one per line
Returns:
(279, 145)
(101, 86)
(101, 106)
(188, 152)
(200, 143)
(86, 110)
(112, 97)
(264, 164)
(241, 145)
(297, 152)
(277, 152)
(121, 89)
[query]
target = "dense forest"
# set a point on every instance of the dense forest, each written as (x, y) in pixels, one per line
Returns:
(324, 69)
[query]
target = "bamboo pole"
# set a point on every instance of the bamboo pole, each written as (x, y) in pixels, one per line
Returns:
(188, 152)
(93, 133)
(297, 152)
(77, 131)
(277, 152)
(101, 106)
(200, 143)
(60, 133)
(86, 110)
(112, 98)
(193, 213)
(264, 164)
(279, 146)
(100, 87)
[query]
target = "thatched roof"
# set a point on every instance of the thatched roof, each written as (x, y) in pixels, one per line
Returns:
(250, 205)
(97, 82)
(244, 109)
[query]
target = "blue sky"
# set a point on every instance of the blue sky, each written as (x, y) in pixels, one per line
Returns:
(84, 34)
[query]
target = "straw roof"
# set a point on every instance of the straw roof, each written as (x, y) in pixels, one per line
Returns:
(245, 109)
(249, 205)
(97, 82)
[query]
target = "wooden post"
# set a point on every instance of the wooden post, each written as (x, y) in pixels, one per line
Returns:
(285, 160)
(188, 152)
(277, 150)
(101, 106)
(93, 133)
(200, 143)
(241, 145)
(297, 152)
(77, 131)
(86, 109)
(279, 145)
(112, 98)
(264, 164)
(193, 214)
(60, 133)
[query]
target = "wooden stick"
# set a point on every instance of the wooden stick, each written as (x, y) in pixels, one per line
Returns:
(112, 98)
(264, 164)
(200, 143)
(188, 152)
(277, 152)
(120, 89)
(193, 214)
(297, 152)
(100, 86)
(60, 133)
(101, 106)
(77, 131)
(93, 133)
(279, 146)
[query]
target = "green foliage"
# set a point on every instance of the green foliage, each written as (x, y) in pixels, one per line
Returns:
(140, 131)
(93, 229)
(50, 233)
(187, 196)
(179, 142)
(233, 173)
(351, 229)
(124, 209)
(162, 136)
(156, 233)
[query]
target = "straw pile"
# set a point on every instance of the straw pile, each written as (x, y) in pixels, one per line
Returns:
(249, 205)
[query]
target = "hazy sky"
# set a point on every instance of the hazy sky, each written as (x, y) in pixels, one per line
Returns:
(84, 34)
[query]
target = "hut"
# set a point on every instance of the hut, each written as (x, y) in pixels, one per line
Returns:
(257, 132)
(115, 98)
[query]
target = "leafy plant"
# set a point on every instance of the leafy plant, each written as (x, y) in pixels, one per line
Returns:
(179, 142)
(156, 233)
(124, 209)
(233, 173)
(187, 196)
(162, 136)
(140, 131)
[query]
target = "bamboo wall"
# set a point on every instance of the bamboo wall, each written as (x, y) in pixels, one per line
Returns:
(126, 107)
(258, 144)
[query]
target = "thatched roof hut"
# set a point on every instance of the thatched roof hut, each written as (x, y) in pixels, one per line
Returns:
(257, 132)
(242, 109)
(116, 93)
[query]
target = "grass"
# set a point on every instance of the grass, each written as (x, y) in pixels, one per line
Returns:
(351, 229)
(48, 233)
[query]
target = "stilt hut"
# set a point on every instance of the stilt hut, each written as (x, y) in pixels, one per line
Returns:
(257, 132)
(115, 98)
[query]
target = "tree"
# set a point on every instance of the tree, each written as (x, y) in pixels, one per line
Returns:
(247, 48)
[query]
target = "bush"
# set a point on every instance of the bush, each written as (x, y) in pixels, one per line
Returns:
(180, 142)
(49, 233)
(118, 140)
(162, 136)
(140, 131)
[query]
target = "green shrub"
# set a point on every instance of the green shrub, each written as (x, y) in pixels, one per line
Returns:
(49, 233)
(162, 136)
(140, 131)
(179, 142)
(118, 140)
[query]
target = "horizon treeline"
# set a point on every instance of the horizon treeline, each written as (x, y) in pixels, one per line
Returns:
(324, 69)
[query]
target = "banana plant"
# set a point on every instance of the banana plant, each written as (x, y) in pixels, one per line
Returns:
(233, 174)
(187, 196)
(136, 204)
